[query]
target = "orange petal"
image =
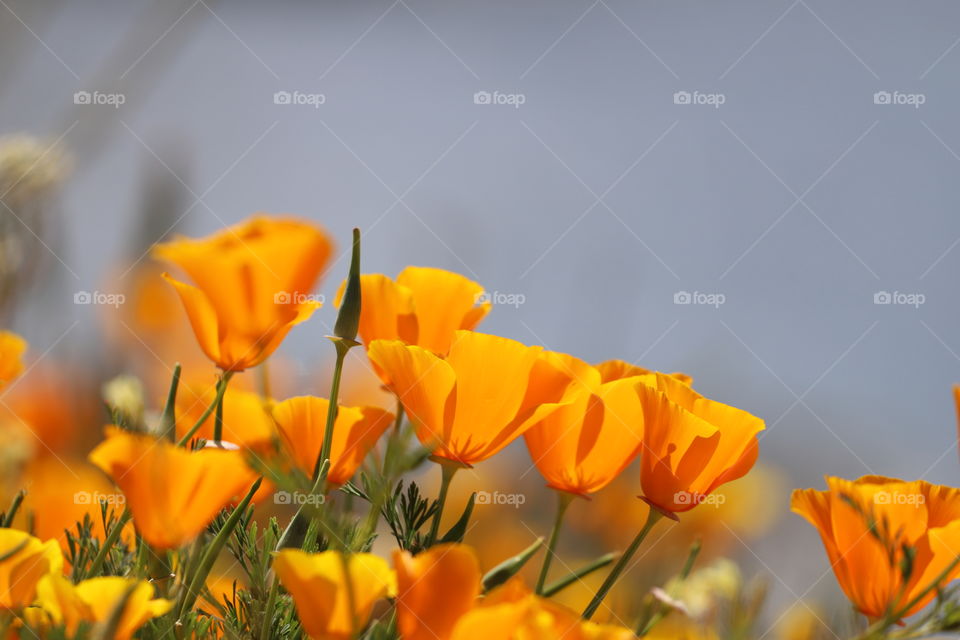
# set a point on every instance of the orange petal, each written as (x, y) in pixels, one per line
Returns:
(434, 589)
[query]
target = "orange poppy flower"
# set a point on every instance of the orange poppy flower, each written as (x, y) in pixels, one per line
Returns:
(246, 421)
(253, 283)
(319, 585)
(94, 601)
(956, 401)
(25, 560)
(581, 447)
(303, 420)
(172, 493)
(12, 348)
(435, 589)
(865, 525)
(473, 403)
(691, 445)
(423, 306)
(617, 369)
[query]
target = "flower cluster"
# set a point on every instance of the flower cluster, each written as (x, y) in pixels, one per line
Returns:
(172, 495)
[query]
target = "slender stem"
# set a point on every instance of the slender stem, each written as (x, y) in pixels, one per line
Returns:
(332, 405)
(217, 402)
(652, 518)
(446, 475)
(111, 539)
(563, 501)
(557, 586)
(268, 609)
(198, 579)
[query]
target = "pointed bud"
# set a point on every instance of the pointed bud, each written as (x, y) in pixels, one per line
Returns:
(348, 320)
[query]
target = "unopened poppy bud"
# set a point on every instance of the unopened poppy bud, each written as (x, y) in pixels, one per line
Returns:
(348, 320)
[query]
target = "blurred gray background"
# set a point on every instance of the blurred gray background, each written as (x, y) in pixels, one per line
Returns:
(790, 184)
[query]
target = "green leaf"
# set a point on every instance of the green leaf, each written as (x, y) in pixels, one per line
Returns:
(459, 529)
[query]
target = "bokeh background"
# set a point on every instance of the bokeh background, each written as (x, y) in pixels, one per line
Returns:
(814, 167)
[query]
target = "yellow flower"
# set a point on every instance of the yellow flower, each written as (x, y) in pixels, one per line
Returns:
(424, 306)
(25, 560)
(95, 601)
(253, 283)
(865, 525)
(303, 420)
(12, 348)
(582, 446)
(434, 589)
(319, 585)
(173, 493)
(473, 403)
(691, 445)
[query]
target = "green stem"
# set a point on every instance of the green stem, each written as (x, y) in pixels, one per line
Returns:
(652, 518)
(557, 586)
(217, 404)
(446, 475)
(563, 501)
(268, 609)
(112, 536)
(342, 348)
(213, 551)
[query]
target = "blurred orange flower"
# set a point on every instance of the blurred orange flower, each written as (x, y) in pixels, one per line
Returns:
(173, 493)
(473, 403)
(60, 493)
(512, 611)
(691, 445)
(865, 525)
(95, 601)
(434, 589)
(24, 560)
(253, 283)
(423, 306)
(582, 446)
(12, 348)
(246, 421)
(302, 421)
(319, 584)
